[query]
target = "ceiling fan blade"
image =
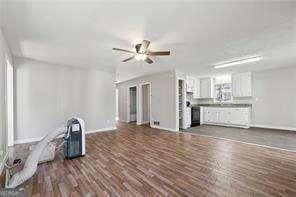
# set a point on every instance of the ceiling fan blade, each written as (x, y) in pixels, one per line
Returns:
(144, 46)
(128, 59)
(159, 53)
(148, 60)
(123, 50)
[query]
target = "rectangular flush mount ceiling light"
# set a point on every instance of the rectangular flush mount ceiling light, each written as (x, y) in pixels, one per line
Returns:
(238, 61)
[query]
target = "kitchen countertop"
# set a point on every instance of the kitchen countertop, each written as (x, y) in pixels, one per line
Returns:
(224, 105)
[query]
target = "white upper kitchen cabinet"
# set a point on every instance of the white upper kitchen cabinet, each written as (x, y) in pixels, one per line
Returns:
(206, 89)
(190, 84)
(242, 84)
(193, 86)
(196, 93)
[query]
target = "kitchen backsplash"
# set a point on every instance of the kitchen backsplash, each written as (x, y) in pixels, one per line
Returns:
(236, 100)
(189, 97)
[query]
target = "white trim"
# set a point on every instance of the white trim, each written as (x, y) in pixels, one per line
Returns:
(9, 99)
(274, 127)
(101, 130)
(117, 114)
(36, 139)
(128, 101)
(163, 128)
(226, 125)
(140, 117)
(142, 123)
(176, 102)
(27, 140)
(252, 125)
(2, 164)
(183, 101)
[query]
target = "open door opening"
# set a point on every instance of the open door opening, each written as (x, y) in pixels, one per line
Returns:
(133, 104)
(181, 104)
(146, 103)
(116, 105)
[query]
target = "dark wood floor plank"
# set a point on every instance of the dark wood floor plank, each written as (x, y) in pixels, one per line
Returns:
(141, 161)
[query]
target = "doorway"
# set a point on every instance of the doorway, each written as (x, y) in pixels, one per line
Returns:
(181, 104)
(116, 105)
(9, 102)
(133, 104)
(145, 103)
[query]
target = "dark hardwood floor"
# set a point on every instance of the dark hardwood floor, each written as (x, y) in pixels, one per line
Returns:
(140, 161)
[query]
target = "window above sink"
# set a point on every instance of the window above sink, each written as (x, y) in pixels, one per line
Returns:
(222, 89)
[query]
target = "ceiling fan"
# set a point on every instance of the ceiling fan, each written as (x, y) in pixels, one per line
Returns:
(142, 52)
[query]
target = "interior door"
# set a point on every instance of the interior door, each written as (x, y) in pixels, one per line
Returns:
(133, 104)
(146, 103)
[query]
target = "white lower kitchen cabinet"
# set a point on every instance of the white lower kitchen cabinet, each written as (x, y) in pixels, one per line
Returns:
(227, 116)
(187, 117)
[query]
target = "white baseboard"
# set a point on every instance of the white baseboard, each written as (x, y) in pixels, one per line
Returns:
(274, 127)
(163, 128)
(141, 123)
(30, 140)
(101, 130)
(226, 125)
(2, 164)
(27, 140)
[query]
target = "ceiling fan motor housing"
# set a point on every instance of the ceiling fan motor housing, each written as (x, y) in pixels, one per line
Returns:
(142, 53)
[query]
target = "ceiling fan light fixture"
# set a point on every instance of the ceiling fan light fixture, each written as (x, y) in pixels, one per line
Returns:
(142, 53)
(238, 61)
(140, 57)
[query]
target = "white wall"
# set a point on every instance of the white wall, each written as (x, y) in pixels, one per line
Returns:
(9, 103)
(4, 56)
(46, 95)
(274, 98)
(2, 98)
(163, 103)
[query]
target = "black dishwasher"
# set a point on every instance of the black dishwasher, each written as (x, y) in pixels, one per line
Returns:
(195, 116)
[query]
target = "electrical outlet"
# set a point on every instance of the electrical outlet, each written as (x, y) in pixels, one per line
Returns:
(156, 122)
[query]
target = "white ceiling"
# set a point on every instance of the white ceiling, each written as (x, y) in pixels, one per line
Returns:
(198, 34)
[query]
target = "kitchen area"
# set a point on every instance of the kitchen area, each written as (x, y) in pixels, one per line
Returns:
(221, 107)
(221, 100)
